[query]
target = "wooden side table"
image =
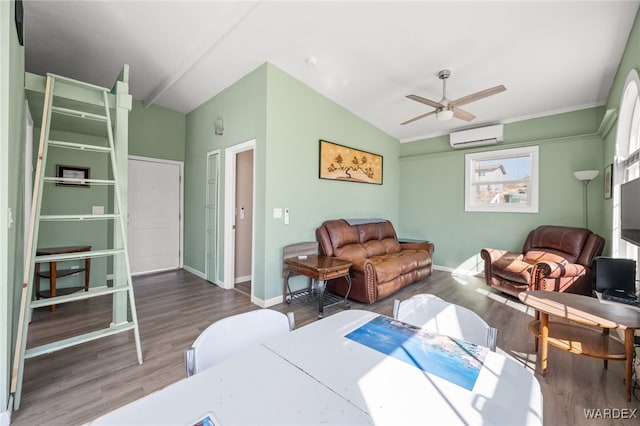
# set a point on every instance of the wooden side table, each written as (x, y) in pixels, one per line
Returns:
(320, 269)
(53, 273)
(582, 311)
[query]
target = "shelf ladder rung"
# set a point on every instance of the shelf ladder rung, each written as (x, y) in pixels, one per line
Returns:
(80, 295)
(83, 84)
(79, 146)
(78, 255)
(79, 114)
(75, 181)
(76, 340)
(78, 217)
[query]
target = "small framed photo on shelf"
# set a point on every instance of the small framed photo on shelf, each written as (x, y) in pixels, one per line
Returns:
(608, 181)
(72, 176)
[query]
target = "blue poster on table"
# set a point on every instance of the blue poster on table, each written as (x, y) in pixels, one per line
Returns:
(451, 359)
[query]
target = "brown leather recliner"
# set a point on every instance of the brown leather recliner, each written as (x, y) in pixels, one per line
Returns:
(554, 258)
(381, 264)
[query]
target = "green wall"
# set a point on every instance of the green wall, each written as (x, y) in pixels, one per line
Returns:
(76, 200)
(630, 60)
(242, 106)
(156, 132)
(11, 183)
(287, 119)
(432, 188)
(297, 117)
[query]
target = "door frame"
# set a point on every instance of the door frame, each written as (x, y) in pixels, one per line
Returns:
(229, 212)
(217, 219)
(180, 165)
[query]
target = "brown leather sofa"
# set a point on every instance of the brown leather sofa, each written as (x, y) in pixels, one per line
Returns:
(381, 264)
(554, 258)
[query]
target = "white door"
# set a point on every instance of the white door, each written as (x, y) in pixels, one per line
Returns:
(154, 216)
(211, 244)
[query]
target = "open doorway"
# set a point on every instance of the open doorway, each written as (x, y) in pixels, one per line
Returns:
(239, 218)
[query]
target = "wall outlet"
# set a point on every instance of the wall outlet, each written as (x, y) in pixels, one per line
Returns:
(97, 210)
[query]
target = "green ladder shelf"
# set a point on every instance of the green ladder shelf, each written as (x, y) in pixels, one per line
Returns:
(118, 254)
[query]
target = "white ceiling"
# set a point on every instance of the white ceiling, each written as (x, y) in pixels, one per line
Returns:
(551, 56)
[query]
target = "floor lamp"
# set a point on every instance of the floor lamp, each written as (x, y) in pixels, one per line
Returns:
(586, 176)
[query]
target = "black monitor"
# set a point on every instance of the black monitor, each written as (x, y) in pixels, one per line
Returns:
(614, 274)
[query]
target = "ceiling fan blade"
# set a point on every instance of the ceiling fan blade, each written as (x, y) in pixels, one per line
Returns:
(425, 101)
(477, 96)
(418, 118)
(462, 114)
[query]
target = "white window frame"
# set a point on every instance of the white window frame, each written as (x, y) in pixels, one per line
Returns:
(498, 155)
(627, 157)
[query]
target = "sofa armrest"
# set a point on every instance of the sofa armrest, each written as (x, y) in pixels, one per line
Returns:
(491, 255)
(544, 271)
(423, 245)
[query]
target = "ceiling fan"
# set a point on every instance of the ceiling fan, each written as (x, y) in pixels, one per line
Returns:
(446, 109)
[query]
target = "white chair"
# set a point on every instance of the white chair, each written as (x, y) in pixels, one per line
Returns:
(436, 315)
(235, 334)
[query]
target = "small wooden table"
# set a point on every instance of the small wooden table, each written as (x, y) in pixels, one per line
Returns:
(586, 311)
(53, 273)
(320, 269)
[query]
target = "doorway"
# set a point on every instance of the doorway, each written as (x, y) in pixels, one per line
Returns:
(239, 218)
(212, 212)
(155, 215)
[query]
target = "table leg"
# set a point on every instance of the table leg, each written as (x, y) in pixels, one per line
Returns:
(53, 273)
(628, 362)
(347, 305)
(605, 332)
(286, 290)
(37, 280)
(322, 284)
(544, 334)
(87, 273)
(535, 338)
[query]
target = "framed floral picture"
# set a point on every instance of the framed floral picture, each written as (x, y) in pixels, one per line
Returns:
(608, 181)
(339, 162)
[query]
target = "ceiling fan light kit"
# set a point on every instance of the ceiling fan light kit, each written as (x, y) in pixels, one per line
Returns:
(446, 109)
(444, 115)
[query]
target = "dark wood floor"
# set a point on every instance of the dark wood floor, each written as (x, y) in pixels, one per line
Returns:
(78, 384)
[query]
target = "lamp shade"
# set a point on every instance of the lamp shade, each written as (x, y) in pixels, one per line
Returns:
(446, 114)
(586, 174)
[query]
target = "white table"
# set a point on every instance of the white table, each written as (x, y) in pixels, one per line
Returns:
(315, 375)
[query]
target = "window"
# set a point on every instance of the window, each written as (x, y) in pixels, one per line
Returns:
(502, 181)
(627, 158)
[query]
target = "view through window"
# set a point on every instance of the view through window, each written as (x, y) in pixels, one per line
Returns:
(502, 180)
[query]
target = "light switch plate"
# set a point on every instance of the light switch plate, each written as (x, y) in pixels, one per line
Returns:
(277, 213)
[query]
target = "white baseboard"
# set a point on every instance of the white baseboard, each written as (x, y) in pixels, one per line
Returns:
(5, 417)
(458, 271)
(442, 268)
(194, 272)
(242, 279)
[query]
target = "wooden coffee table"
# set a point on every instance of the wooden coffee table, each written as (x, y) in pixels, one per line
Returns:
(320, 269)
(572, 336)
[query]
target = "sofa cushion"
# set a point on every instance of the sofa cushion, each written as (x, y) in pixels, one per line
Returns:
(565, 241)
(350, 252)
(535, 256)
(341, 234)
(515, 270)
(390, 266)
(376, 231)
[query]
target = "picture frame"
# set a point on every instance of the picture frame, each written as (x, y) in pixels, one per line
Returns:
(339, 162)
(608, 181)
(73, 175)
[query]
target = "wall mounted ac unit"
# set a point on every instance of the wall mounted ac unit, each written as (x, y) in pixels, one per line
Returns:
(481, 136)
